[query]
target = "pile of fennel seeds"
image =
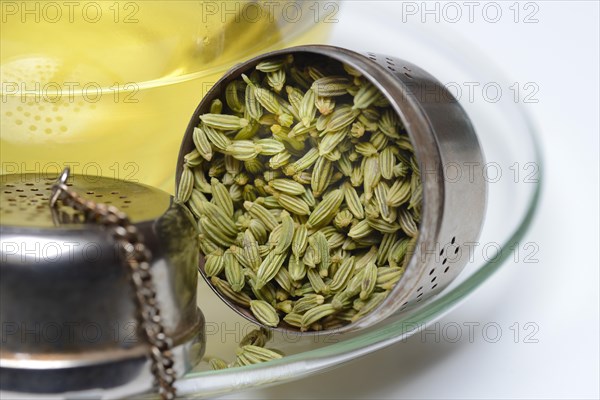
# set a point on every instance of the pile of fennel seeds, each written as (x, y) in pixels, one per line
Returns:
(251, 350)
(307, 193)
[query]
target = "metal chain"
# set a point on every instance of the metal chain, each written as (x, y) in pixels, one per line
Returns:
(137, 258)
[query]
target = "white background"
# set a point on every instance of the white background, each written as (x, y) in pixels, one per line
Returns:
(559, 295)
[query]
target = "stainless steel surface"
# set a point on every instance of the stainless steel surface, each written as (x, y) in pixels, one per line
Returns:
(24, 199)
(67, 307)
(450, 160)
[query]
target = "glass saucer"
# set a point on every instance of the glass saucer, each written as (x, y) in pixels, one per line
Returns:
(513, 169)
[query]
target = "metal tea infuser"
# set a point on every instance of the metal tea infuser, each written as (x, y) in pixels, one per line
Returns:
(98, 288)
(442, 136)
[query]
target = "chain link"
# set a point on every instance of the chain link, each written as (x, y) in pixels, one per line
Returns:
(137, 258)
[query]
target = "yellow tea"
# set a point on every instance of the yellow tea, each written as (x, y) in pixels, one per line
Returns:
(108, 87)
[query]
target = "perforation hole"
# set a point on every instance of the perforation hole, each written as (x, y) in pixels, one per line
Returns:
(453, 240)
(447, 268)
(444, 261)
(434, 286)
(432, 271)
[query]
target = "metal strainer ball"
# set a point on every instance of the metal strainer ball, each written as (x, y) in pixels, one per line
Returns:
(72, 318)
(442, 136)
